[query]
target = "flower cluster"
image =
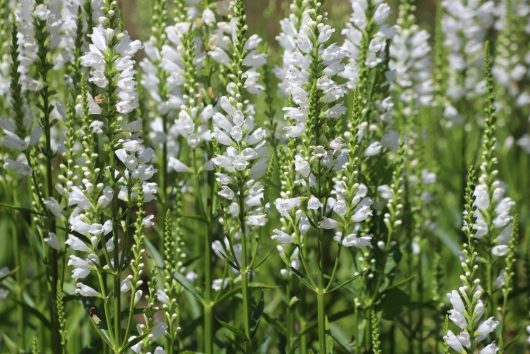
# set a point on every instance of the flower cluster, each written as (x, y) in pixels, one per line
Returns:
(157, 187)
(410, 60)
(106, 44)
(468, 312)
(465, 26)
(366, 35)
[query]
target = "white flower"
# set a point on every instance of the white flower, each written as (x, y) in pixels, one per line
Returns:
(20, 166)
(226, 193)
(456, 301)
(85, 290)
(381, 13)
(490, 349)
(353, 241)
(176, 165)
(314, 203)
(77, 224)
(500, 250)
(105, 199)
(53, 206)
(481, 195)
(76, 244)
(219, 284)
(159, 330)
(159, 350)
(486, 328)
(328, 223)
(301, 166)
(208, 17)
(53, 241)
(284, 206)
(457, 318)
(465, 25)
(357, 35)
(453, 342)
(96, 127)
(362, 211)
(126, 285)
(373, 149)
(257, 220)
(384, 191)
(78, 198)
(137, 347)
(124, 64)
(81, 267)
(281, 237)
(148, 221)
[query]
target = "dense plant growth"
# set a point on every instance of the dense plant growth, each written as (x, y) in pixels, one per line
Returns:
(353, 187)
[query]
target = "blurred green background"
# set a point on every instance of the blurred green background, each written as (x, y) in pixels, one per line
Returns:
(264, 15)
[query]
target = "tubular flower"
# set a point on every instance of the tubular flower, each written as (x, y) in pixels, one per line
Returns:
(366, 34)
(468, 311)
(410, 61)
(465, 25)
(99, 53)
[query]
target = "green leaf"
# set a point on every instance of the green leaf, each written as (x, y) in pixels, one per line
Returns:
(276, 323)
(134, 341)
(393, 302)
(236, 290)
(301, 277)
(236, 331)
(154, 252)
(343, 284)
(35, 312)
(262, 261)
(187, 285)
(256, 315)
(329, 337)
(10, 344)
(30, 211)
(8, 274)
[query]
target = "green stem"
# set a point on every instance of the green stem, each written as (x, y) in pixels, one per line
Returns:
(208, 327)
(303, 325)
(289, 316)
(18, 277)
(106, 310)
(244, 266)
(321, 321)
(208, 304)
(321, 291)
(116, 278)
(163, 167)
(357, 327)
(45, 94)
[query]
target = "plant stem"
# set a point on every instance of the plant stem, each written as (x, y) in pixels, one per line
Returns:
(321, 314)
(116, 276)
(208, 327)
(18, 277)
(53, 272)
(208, 304)
(289, 316)
(163, 167)
(321, 321)
(244, 266)
(303, 325)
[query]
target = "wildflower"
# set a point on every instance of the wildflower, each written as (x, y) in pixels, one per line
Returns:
(95, 59)
(85, 290)
(410, 61)
(358, 33)
(465, 25)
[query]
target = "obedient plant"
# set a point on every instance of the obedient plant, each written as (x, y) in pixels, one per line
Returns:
(174, 180)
